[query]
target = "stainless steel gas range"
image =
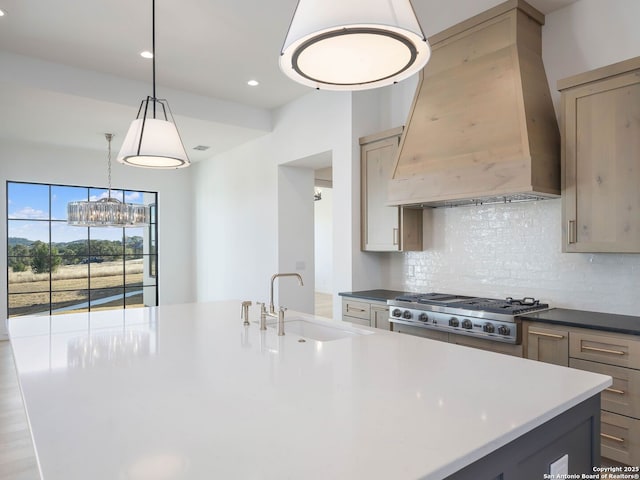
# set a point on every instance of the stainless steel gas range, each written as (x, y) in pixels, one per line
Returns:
(487, 318)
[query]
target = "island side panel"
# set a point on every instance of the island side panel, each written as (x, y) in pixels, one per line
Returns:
(575, 432)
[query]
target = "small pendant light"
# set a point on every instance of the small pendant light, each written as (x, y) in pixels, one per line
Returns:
(153, 140)
(109, 211)
(353, 44)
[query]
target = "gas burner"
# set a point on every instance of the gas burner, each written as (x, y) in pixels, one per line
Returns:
(523, 301)
(490, 318)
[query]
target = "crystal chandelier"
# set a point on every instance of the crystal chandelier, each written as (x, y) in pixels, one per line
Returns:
(153, 140)
(107, 212)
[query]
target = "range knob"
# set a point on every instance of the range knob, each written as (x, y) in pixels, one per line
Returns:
(489, 328)
(396, 312)
(466, 323)
(407, 314)
(454, 322)
(503, 330)
(423, 317)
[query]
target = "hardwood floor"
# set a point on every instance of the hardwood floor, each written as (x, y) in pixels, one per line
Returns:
(17, 459)
(324, 305)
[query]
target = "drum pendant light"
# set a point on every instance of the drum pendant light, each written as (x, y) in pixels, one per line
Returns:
(109, 211)
(353, 44)
(153, 140)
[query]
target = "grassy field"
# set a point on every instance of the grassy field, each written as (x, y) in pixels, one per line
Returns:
(69, 286)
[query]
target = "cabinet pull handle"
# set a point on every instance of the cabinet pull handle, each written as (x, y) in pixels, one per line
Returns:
(349, 307)
(615, 390)
(611, 437)
(602, 350)
(395, 236)
(543, 334)
(571, 232)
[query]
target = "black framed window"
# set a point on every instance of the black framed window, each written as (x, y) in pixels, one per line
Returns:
(56, 268)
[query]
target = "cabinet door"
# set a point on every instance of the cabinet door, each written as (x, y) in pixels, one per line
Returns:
(601, 165)
(547, 344)
(355, 308)
(620, 437)
(610, 348)
(623, 396)
(380, 223)
(380, 317)
(384, 228)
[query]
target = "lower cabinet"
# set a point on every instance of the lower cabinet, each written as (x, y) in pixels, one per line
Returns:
(620, 438)
(380, 316)
(623, 396)
(365, 312)
(546, 343)
(356, 311)
(613, 354)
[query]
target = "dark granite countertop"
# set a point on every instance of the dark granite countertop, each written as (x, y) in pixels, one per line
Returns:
(593, 320)
(374, 295)
(562, 316)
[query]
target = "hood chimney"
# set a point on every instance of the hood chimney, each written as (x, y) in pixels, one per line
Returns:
(482, 128)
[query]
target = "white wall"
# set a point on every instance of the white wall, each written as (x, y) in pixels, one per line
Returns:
(589, 34)
(295, 235)
(250, 224)
(323, 241)
(240, 217)
(515, 249)
(47, 164)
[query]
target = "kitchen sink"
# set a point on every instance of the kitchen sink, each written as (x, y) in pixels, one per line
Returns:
(319, 330)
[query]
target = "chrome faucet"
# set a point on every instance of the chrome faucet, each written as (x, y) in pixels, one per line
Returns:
(264, 314)
(281, 321)
(272, 308)
(245, 312)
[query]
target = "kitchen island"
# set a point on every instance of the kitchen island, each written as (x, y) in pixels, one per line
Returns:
(189, 392)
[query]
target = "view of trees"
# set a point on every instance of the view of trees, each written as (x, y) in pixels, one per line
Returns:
(40, 260)
(56, 268)
(24, 254)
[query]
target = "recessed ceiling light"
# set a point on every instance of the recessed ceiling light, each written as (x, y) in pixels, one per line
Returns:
(253, 83)
(2, 13)
(146, 54)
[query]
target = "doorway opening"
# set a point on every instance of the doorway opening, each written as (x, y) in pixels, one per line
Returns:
(305, 245)
(323, 241)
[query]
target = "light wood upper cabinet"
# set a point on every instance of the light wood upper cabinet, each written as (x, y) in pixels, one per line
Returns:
(384, 228)
(601, 159)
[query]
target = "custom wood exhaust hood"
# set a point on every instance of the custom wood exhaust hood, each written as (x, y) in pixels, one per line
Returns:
(482, 128)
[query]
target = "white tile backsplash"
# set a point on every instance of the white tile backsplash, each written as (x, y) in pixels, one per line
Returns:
(515, 250)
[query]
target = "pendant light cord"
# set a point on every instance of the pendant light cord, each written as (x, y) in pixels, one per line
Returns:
(153, 51)
(109, 136)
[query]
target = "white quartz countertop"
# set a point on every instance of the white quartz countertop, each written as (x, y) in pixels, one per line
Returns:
(188, 392)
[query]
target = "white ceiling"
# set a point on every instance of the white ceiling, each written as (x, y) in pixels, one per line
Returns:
(70, 70)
